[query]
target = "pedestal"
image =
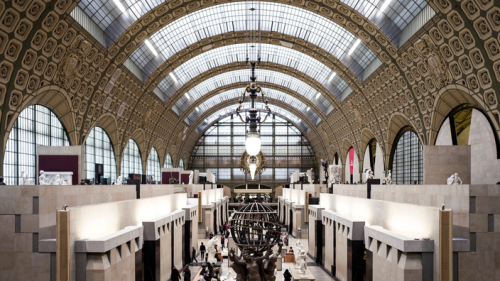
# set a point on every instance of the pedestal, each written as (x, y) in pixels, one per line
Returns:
(279, 264)
(296, 276)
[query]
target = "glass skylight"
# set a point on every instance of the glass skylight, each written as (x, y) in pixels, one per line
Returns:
(236, 53)
(260, 106)
(236, 93)
(230, 17)
(242, 76)
(390, 16)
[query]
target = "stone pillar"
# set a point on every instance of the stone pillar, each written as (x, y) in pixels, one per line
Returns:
(62, 255)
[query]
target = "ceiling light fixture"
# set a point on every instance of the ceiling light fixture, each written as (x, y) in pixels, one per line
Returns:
(331, 77)
(173, 78)
(197, 109)
(253, 41)
(317, 96)
(120, 6)
(308, 108)
(187, 96)
(150, 46)
(354, 46)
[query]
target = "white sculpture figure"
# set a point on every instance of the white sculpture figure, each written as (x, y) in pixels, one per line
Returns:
(191, 176)
(26, 179)
(119, 181)
(211, 250)
(309, 179)
(59, 181)
(368, 174)
(302, 263)
(276, 248)
(296, 252)
(335, 171)
(388, 179)
(42, 180)
(454, 179)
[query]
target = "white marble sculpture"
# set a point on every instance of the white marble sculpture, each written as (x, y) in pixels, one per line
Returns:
(388, 179)
(119, 181)
(309, 179)
(42, 180)
(335, 172)
(276, 248)
(60, 181)
(191, 176)
(211, 250)
(26, 179)
(296, 252)
(454, 180)
(302, 263)
(368, 174)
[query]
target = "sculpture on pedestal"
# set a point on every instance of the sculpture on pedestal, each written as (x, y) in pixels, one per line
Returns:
(454, 179)
(26, 179)
(388, 179)
(255, 230)
(191, 176)
(119, 181)
(302, 261)
(211, 249)
(368, 175)
(335, 172)
(325, 169)
(60, 181)
(42, 180)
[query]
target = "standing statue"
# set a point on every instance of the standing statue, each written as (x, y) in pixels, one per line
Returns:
(454, 179)
(26, 179)
(42, 180)
(191, 176)
(335, 171)
(269, 264)
(302, 263)
(239, 266)
(325, 169)
(119, 181)
(59, 180)
(253, 263)
(309, 179)
(388, 179)
(211, 250)
(368, 174)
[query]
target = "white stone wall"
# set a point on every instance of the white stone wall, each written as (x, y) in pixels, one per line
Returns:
(165, 252)
(444, 135)
(379, 163)
(177, 247)
(341, 253)
(485, 168)
(328, 226)
(386, 265)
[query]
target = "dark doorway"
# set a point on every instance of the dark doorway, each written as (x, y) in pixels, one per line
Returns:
(291, 222)
(214, 231)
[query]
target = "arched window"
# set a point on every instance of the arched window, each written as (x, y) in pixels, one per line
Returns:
(153, 168)
(407, 160)
(99, 150)
(168, 162)
(36, 125)
(132, 161)
(181, 165)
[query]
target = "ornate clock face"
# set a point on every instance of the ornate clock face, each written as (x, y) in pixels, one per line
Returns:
(434, 64)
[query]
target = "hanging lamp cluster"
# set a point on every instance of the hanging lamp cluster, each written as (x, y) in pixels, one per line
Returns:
(253, 57)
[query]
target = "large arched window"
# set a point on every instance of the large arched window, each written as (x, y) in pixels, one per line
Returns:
(407, 160)
(99, 150)
(181, 165)
(168, 162)
(153, 168)
(36, 125)
(132, 161)
(286, 149)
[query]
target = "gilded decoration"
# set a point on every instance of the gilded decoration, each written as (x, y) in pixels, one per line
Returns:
(245, 163)
(71, 62)
(433, 61)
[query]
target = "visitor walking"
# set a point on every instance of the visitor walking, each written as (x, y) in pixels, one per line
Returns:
(211, 235)
(193, 255)
(202, 250)
(287, 275)
(222, 242)
(176, 276)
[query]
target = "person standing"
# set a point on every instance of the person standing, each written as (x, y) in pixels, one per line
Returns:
(187, 273)
(202, 251)
(176, 276)
(222, 242)
(287, 275)
(193, 255)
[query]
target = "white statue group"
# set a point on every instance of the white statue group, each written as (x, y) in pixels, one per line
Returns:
(454, 180)
(211, 250)
(300, 259)
(42, 179)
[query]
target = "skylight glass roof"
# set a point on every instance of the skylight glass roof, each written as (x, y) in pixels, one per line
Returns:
(236, 93)
(259, 106)
(390, 15)
(242, 76)
(236, 53)
(275, 17)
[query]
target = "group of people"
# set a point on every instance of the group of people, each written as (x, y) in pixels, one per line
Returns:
(209, 272)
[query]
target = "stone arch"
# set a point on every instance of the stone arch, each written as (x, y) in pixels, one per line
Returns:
(158, 145)
(446, 100)
(57, 100)
(139, 137)
(396, 122)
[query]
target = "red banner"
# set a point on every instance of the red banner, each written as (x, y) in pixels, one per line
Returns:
(351, 160)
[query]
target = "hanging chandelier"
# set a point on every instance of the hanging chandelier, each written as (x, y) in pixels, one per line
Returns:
(253, 44)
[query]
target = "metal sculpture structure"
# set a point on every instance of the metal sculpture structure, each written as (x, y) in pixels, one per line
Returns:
(255, 230)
